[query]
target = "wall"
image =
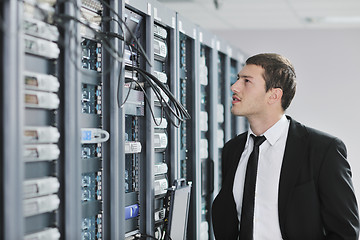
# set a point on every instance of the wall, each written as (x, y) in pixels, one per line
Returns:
(327, 63)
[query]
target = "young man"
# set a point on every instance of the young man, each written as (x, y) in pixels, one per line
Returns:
(281, 179)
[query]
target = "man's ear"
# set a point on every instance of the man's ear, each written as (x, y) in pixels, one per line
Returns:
(275, 95)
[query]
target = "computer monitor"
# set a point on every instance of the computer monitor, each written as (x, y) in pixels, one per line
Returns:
(178, 210)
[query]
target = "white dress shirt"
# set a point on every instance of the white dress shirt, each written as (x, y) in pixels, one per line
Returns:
(271, 153)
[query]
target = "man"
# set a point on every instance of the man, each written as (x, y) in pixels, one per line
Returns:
(301, 188)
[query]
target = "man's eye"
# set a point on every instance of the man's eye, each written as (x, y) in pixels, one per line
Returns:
(246, 80)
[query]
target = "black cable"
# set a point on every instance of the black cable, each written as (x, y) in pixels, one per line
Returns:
(166, 233)
(107, 46)
(100, 35)
(179, 111)
(142, 235)
(132, 76)
(164, 108)
(167, 91)
(147, 100)
(105, 19)
(178, 106)
(127, 28)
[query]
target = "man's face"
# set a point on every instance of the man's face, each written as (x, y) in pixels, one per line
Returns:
(249, 95)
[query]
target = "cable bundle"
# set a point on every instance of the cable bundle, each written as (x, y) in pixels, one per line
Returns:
(173, 107)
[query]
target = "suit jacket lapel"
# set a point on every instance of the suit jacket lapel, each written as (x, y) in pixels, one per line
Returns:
(295, 152)
(235, 158)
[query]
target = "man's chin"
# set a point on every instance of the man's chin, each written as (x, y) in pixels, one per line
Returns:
(236, 113)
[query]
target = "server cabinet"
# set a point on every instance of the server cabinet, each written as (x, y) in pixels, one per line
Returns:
(207, 128)
(189, 94)
(165, 123)
(224, 82)
(42, 152)
(223, 107)
(137, 131)
(93, 135)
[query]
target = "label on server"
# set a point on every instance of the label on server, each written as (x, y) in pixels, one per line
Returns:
(43, 10)
(160, 49)
(47, 234)
(41, 134)
(41, 152)
(41, 47)
(40, 187)
(163, 97)
(161, 123)
(131, 211)
(220, 138)
(34, 206)
(161, 168)
(132, 147)
(37, 99)
(203, 75)
(160, 140)
(43, 82)
(40, 29)
(203, 121)
(204, 145)
(94, 135)
(159, 215)
(160, 186)
(220, 115)
(161, 76)
(160, 31)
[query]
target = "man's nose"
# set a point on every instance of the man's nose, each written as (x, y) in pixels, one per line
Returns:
(235, 88)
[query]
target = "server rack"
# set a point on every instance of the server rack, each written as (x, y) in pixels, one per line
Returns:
(42, 152)
(94, 79)
(224, 81)
(164, 45)
(189, 152)
(208, 130)
(223, 107)
(138, 130)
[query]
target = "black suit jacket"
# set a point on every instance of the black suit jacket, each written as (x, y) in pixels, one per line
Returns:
(316, 198)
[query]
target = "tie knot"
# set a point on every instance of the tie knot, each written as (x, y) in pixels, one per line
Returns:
(258, 140)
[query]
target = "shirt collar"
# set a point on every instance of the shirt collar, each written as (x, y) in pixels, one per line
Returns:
(274, 133)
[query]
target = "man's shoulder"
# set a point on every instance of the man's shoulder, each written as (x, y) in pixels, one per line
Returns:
(239, 138)
(312, 134)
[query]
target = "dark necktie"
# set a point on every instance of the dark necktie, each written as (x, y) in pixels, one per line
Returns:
(247, 210)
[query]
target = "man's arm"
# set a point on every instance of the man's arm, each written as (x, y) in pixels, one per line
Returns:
(338, 203)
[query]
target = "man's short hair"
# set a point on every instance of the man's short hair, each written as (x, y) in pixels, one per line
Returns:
(279, 73)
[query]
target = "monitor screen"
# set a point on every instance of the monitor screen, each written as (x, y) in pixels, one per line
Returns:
(178, 216)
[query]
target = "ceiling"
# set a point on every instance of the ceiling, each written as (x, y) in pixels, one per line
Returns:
(269, 14)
